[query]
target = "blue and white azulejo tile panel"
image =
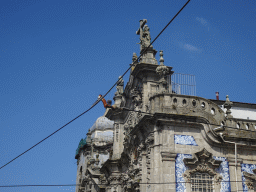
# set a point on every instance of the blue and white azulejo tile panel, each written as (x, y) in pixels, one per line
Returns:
(184, 140)
(180, 168)
(247, 168)
(223, 170)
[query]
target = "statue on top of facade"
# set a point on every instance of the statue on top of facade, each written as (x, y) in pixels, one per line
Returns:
(120, 86)
(145, 42)
(143, 31)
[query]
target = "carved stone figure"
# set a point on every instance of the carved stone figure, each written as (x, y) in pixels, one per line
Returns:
(144, 33)
(145, 41)
(120, 86)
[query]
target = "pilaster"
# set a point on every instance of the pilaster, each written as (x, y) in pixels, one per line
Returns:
(168, 171)
(144, 172)
(235, 174)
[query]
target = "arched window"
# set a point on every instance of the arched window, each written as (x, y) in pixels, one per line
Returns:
(201, 182)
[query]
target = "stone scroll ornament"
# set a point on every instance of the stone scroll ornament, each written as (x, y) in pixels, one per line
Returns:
(201, 162)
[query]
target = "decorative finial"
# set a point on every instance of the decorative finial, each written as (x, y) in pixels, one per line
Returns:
(134, 58)
(228, 104)
(162, 71)
(120, 86)
(161, 60)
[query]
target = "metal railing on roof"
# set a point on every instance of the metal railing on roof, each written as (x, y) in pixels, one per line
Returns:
(183, 84)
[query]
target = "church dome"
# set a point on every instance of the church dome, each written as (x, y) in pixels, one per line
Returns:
(102, 123)
(102, 130)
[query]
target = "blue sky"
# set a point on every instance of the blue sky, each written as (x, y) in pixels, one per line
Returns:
(56, 57)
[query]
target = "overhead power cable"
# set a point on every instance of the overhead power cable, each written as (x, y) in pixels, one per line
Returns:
(122, 183)
(67, 185)
(99, 99)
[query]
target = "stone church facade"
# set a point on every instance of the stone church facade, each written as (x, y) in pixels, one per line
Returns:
(153, 139)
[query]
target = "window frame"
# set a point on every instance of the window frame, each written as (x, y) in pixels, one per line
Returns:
(200, 185)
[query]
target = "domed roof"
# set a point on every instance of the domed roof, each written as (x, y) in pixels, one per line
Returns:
(102, 123)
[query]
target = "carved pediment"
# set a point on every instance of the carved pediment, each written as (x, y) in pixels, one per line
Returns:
(201, 158)
(202, 162)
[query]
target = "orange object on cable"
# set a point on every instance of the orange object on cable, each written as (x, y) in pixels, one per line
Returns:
(106, 105)
(103, 101)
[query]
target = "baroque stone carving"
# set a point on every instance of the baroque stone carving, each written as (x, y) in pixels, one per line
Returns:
(150, 139)
(162, 71)
(120, 86)
(248, 177)
(228, 104)
(130, 120)
(103, 180)
(136, 96)
(134, 58)
(139, 116)
(202, 162)
(129, 124)
(131, 179)
(144, 33)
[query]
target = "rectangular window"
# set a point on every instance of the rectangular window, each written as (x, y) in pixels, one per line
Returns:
(201, 182)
